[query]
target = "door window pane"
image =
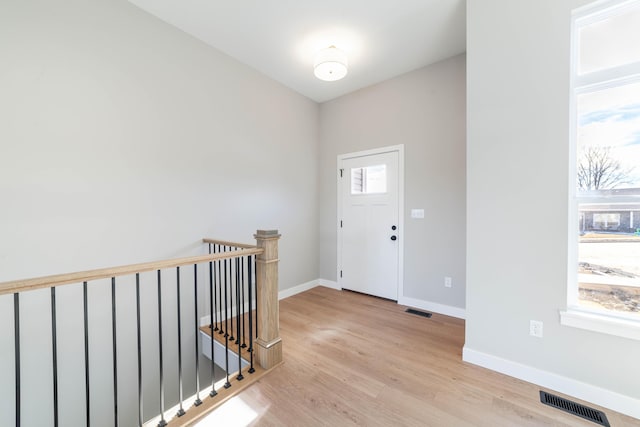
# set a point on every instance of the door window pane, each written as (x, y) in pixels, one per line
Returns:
(369, 180)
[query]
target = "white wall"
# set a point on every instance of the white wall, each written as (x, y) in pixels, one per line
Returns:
(425, 111)
(517, 156)
(124, 140)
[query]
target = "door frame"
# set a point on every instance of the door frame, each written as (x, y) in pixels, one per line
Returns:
(393, 148)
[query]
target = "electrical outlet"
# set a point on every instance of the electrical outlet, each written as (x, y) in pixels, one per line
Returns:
(535, 328)
(447, 282)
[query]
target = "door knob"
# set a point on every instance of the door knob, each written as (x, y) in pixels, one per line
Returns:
(394, 238)
(393, 227)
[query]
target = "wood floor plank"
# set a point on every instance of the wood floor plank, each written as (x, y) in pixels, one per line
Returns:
(354, 360)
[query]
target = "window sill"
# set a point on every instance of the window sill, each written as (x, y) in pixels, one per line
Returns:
(626, 328)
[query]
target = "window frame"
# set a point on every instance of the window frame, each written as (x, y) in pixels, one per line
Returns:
(574, 315)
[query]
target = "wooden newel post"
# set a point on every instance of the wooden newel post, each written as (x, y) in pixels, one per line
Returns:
(268, 343)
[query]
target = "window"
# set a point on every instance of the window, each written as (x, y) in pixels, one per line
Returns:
(369, 180)
(606, 221)
(604, 271)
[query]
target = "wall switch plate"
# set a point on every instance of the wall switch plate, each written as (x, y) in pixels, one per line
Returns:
(535, 328)
(417, 213)
(447, 282)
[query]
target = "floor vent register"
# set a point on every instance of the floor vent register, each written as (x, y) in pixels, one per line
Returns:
(418, 312)
(574, 408)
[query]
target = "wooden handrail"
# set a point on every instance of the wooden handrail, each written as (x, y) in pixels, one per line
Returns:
(254, 281)
(227, 243)
(105, 273)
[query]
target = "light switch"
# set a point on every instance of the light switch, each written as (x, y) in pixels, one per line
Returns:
(417, 213)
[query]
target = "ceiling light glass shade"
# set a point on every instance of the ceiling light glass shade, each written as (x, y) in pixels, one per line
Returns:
(330, 64)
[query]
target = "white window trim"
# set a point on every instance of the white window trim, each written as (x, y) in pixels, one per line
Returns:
(600, 322)
(616, 324)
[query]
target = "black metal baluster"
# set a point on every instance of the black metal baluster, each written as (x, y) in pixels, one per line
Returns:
(226, 326)
(54, 356)
(162, 422)
(226, 314)
(231, 337)
(198, 402)
(115, 351)
(139, 339)
(244, 320)
(251, 368)
(181, 409)
(214, 322)
(216, 303)
(212, 307)
(255, 283)
(212, 325)
(87, 394)
(219, 303)
(238, 322)
(16, 337)
(237, 291)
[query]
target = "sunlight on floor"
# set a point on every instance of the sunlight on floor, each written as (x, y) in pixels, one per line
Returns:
(234, 413)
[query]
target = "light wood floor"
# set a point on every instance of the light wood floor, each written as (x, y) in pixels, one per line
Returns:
(351, 359)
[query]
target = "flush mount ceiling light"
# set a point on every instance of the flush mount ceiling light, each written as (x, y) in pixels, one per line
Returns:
(330, 64)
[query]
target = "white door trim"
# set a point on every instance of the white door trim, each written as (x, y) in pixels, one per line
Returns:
(400, 150)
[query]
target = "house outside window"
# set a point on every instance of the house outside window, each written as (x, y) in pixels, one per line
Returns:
(606, 221)
(604, 236)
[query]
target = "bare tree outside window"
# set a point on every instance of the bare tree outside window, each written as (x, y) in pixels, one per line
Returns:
(605, 203)
(598, 170)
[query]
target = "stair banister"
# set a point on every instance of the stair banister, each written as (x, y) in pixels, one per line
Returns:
(269, 343)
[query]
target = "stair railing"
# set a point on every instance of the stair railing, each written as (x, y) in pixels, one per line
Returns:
(239, 283)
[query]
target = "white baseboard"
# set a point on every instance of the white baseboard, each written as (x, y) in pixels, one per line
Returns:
(219, 353)
(286, 293)
(447, 310)
(329, 284)
(609, 399)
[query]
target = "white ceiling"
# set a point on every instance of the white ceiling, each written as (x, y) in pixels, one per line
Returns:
(279, 38)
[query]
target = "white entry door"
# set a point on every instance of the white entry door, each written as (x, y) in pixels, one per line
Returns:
(369, 227)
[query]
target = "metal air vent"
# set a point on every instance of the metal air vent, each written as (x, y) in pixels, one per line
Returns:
(574, 408)
(418, 312)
